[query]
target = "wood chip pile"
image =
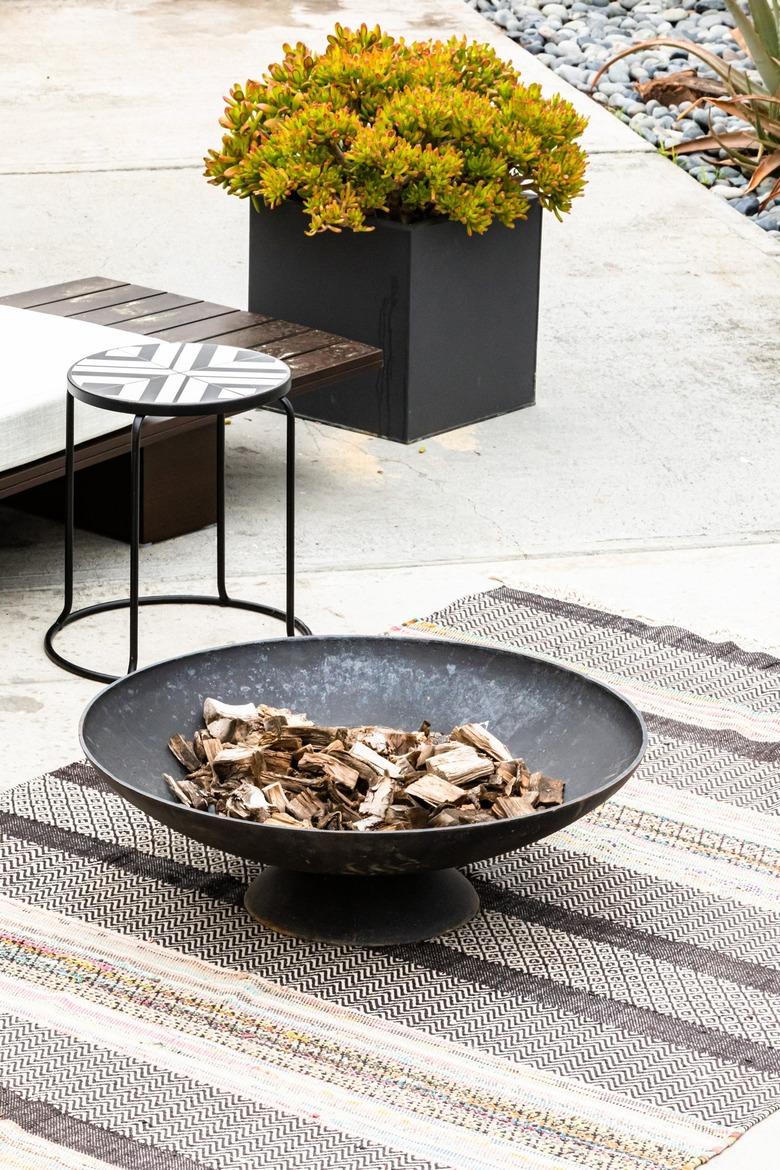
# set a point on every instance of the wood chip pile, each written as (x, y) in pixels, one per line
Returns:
(271, 765)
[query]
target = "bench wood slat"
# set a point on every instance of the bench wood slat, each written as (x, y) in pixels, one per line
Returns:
(214, 328)
(118, 315)
(258, 336)
(320, 366)
(70, 306)
(304, 342)
(35, 297)
(186, 315)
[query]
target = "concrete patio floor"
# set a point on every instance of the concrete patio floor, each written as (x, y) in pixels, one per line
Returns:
(645, 480)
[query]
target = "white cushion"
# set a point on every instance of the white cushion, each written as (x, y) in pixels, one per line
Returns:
(36, 352)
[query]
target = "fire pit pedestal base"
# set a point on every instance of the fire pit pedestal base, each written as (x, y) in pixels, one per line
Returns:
(359, 910)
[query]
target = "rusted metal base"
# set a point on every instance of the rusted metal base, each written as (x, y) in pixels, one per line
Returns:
(360, 910)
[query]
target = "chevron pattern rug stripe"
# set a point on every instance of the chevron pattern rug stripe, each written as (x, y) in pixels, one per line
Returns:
(615, 1006)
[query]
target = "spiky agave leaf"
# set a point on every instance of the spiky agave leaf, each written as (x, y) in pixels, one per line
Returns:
(762, 40)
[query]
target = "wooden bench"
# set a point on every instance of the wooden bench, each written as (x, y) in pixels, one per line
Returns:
(178, 454)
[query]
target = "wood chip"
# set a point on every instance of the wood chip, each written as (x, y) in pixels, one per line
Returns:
(283, 818)
(247, 802)
(214, 709)
(187, 792)
(550, 791)
(445, 819)
(304, 806)
(274, 794)
(514, 806)
(367, 755)
(478, 736)
(366, 823)
(435, 790)
(184, 752)
(341, 773)
(379, 798)
(460, 765)
(231, 755)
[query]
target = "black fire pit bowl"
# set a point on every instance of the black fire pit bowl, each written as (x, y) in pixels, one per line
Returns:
(368, 888)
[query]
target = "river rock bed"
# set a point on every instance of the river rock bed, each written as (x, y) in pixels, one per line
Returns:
(574, 38)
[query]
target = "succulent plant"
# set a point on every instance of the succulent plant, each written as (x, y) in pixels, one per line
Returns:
(379, 126)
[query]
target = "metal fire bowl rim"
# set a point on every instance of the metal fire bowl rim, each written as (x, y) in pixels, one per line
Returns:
(539, 818)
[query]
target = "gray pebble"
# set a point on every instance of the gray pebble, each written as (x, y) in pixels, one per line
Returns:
(709, 18)
(747, 205)
(724, 190)
(572, 74)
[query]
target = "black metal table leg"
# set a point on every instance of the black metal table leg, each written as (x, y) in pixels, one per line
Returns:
(135, 535)
(290, 509)
(70, 497)
(221, 584)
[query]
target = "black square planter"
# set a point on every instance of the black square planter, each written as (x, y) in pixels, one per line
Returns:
(454, 314)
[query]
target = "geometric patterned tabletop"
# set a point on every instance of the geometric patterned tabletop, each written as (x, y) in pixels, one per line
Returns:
(169, 378)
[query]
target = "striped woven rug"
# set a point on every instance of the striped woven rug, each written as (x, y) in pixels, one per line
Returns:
(615, 1005)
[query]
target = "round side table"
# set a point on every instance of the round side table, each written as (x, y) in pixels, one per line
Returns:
(164, 378)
